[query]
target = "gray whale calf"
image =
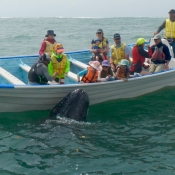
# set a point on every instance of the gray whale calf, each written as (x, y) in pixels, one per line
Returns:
(75, 106)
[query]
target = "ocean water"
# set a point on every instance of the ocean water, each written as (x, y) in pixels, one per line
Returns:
(122, 137)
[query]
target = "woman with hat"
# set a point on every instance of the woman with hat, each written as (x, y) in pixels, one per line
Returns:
(138, 57)
(59, 63)
(38, 73)
(90, 75)
(106, 74)
(104, 44)
(48, 44)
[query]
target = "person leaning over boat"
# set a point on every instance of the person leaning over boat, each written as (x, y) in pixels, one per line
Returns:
(138, 57)
(104, 44)
(160, 57)
(48, 44)
(119, 51)
(106, 73)
(38, 73)
(169, 25)
(90, 75)
(59, 64)
(122, 70)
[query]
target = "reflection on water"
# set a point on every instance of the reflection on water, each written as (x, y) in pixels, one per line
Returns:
(122, 137)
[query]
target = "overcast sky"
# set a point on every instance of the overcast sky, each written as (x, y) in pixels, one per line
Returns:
(85, 8)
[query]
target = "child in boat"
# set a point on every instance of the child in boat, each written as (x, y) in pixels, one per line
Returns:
(122, 71)
(90, 75)
(106, 74)
(59, 64)
(98, 55)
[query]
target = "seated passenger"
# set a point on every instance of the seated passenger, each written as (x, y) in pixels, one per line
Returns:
(119, 51)
(160, 56)
(38, 73)
(90, 75)
(104, 44)
(59, 64)
(106, 74)
(98, 55)
(138, 57)
(122, 70)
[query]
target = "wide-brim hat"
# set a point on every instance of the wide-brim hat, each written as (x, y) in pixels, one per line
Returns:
(95, 64)
(50, 32)
(106, 63)
(124, 62)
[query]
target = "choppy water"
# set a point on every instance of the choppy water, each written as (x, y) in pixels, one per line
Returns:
(122, 137)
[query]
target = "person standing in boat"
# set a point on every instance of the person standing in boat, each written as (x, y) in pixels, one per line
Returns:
(138, 57)
(119, 51)
(48, 44)
(160, 56)
(38, 73)
(169, 26)
(59, 64)
(104, 45)
(90, 75)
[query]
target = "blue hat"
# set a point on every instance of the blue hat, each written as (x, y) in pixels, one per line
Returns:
(106, 63)
(50, 32)
(97, 39)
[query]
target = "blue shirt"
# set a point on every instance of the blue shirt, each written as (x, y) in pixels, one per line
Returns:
(83, 72)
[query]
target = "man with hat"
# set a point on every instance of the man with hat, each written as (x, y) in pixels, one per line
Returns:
(160, 56)
(169, 25)
(119, 51)
(59, 63)
(48, 44)
(38, 73)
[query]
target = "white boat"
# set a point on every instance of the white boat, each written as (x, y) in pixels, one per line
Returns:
(16, 95)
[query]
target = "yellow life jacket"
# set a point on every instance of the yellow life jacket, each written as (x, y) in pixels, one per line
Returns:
(59, 66)
(118, 53)
(49, 47)
(170, 29)
(90, 77)
(102, 44)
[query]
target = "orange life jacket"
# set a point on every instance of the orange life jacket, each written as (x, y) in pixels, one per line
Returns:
(158, 54)
(123, 73)
(90, 77)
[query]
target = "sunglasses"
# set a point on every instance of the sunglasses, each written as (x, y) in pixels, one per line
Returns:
(105, 66)
(117, 38)
(99, 33)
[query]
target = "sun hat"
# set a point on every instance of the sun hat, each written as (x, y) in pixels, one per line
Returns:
(99, 31)
(124, 62)
(59, 48)
(106, 63)
(157, 36)
(50, 32)
(141, 41)
(95, 64)
(116, 35)
(171, 11)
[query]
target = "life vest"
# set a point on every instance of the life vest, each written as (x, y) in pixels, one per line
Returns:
(158, 54)
(59, 64)
(118, 53)
(90, 77)
(103, 43)
(49, 47)
(170, 29)
(34, 77)
(122, 73)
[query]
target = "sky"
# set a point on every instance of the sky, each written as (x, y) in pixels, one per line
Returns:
(85, 8)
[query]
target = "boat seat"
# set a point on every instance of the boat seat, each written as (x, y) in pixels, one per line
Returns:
(78, 63)
(164, 41)
(10, 78)
(26, 68)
